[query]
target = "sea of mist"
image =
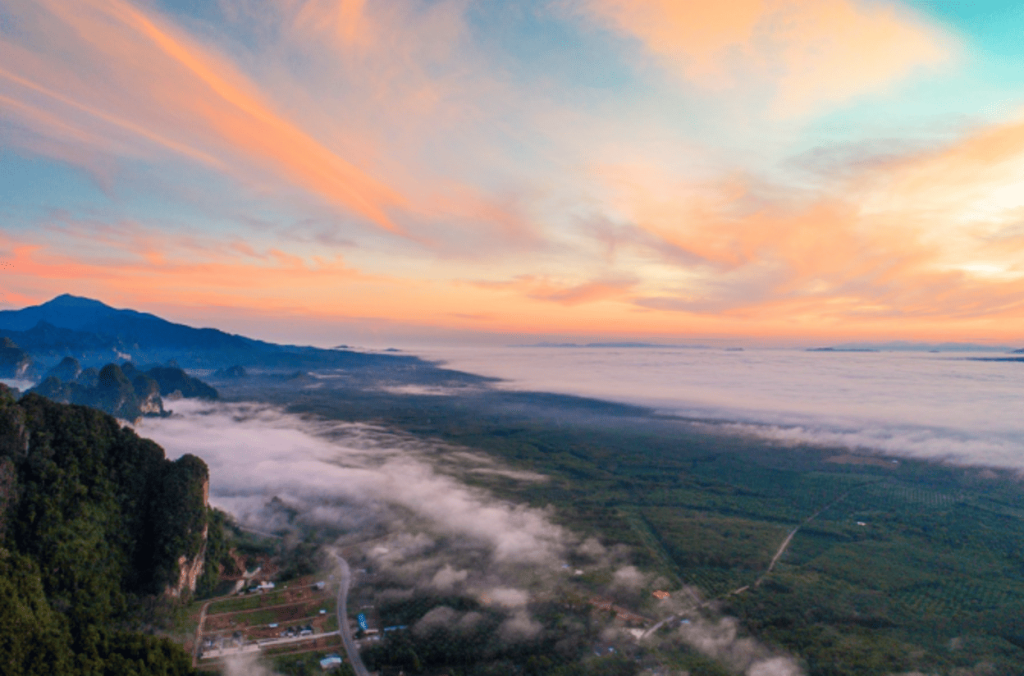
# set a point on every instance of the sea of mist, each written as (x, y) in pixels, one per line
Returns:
(947, 406)
(348, 475)
(405, 502)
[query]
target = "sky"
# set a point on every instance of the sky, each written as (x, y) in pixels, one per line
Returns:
(331, 171)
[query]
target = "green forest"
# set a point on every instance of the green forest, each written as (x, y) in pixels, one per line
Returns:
(93, 520)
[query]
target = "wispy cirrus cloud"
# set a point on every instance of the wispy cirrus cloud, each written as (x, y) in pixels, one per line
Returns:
(125, 82)
(126, 262)
(106, 79)
(934, 233)
(563, 293)
(386, 152)
(808, 53)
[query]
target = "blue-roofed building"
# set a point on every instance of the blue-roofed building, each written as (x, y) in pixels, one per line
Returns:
(330, 662)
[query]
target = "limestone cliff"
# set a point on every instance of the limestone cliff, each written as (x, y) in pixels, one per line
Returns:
(151, 404)
(190, 568)
(122, 391)
(189, 571)
(14, 362)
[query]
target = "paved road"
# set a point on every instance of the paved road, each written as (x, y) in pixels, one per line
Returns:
(343, 626)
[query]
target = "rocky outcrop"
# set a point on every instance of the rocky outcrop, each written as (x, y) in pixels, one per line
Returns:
(190, 569)
(175, 383)
(8, 482)
(14, 362)
(152, 405)
(14, 436)
(236, 371)
(122, 391)
(147, 394)
(66, 371)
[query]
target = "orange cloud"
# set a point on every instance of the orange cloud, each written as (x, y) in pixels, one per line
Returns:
(49, 126)
(544, 289)
(151, 83)
(811, 51)
(343, 20)
(390, 120)
(877, 246)
(387, 119)
(142, 265)
(195, 276)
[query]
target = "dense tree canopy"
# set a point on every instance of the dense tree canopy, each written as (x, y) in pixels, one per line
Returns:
(91, 518)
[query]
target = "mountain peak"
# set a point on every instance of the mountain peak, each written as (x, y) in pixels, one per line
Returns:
(105, 328)
(64, 311)
(66, 300)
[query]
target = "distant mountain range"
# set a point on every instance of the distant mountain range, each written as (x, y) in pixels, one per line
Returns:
(619, 345)
(96, 334)
(906, 346)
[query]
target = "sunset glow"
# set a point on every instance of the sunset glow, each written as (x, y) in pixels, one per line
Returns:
(328, 171)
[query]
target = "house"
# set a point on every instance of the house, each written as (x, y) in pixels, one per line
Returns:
(330, 662)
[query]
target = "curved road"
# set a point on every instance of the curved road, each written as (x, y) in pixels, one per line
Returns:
(343, 625)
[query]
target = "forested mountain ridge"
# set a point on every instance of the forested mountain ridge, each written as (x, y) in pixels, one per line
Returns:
(95, 334)
(93, 518)
(14, 362)
(123, 391)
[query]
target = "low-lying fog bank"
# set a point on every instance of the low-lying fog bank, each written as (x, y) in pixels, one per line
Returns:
(354, 478)
(931, 406)
(424, 533)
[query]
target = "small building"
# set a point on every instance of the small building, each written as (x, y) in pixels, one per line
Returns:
(330, 662)
(319, 586)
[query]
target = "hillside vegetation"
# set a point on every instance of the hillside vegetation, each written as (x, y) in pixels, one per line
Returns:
(93, 522)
